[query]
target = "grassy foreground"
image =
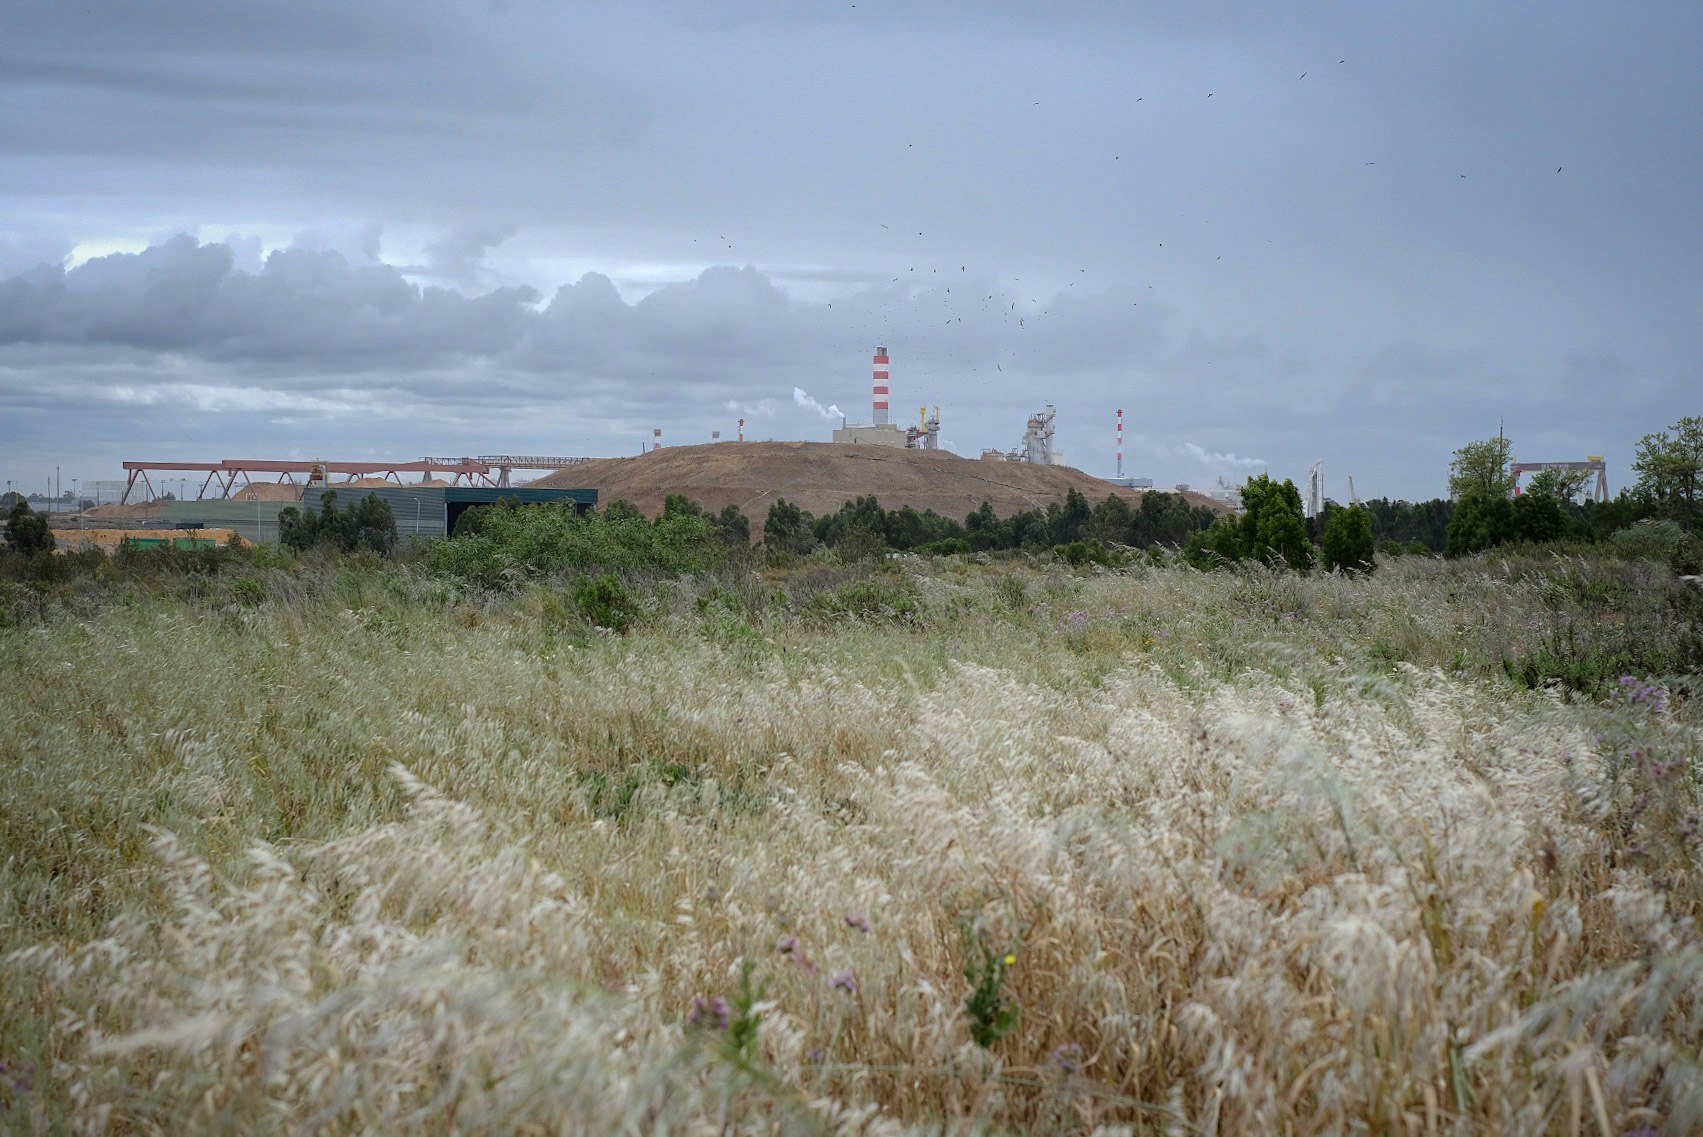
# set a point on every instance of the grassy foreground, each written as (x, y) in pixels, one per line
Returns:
(935, 847)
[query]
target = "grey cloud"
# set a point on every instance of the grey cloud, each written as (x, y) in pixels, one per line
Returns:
(360, 244)
(302, 305)
(20, 252)
(459, 255)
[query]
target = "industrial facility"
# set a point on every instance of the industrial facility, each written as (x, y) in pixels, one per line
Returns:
(420, 511)
(1037, 447)
(881, 430)
(426, 496)
(1120, 479)
(224, 475)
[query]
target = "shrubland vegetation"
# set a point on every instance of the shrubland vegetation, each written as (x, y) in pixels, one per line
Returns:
(368, 524)
(606, 824)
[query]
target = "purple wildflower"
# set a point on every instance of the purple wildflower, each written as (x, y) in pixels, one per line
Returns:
(1068, 1058)
(859, 921)
(787, 945)
(844, 981)
(710, 1014)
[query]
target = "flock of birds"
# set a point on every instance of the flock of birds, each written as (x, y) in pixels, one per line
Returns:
(1003, 323)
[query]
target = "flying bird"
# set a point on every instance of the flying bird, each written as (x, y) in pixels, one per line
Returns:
(1303, 74)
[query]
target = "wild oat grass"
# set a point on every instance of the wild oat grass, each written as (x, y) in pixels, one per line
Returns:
(1249, 853)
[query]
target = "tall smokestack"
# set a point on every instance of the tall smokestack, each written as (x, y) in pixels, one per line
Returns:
(656, 439)
(1120, 442)
(881, 386)
(742, 430)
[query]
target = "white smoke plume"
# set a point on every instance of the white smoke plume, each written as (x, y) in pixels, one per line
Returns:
(1210, 458)
(828, 412)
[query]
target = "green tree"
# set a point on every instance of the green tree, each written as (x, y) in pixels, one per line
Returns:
(1028, 528)
(1670, 470)
(680, 505)
(733, 526)
(369, 525)
(27, 531)
(788, 528)
(1347, 542)
(1482, 468)
(1114, 521)
(1540, 517)
(1479, 522)
(372, 525)
(1217, 546)
(1562, 485)
(1071, 522)
(985, 531)
(1273, 526)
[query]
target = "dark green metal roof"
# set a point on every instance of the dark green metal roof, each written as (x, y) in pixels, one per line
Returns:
(522, 494)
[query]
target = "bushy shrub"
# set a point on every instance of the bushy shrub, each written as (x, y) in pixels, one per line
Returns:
(1662, 539)
(879, 597)
(27, 532)
(604, 601)
(1080, 553)
(515, 542)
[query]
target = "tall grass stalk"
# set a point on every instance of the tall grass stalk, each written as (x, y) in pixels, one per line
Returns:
(1271, 854)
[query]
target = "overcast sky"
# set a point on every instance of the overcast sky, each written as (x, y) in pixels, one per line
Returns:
(1272, 233)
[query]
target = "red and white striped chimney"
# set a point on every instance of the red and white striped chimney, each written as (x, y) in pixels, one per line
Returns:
(656, 439)
(1120, 442)
(880, 386)
(742, 430)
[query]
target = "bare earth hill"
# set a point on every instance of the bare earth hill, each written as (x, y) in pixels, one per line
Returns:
(821, 476)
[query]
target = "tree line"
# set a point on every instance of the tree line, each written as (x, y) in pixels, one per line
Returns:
(1663, 510)
(861, 524)
(1664, 505)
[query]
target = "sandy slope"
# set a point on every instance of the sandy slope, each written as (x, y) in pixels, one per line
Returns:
(820, 476)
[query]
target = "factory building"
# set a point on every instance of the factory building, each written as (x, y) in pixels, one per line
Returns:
(420, 511)
(881, 430)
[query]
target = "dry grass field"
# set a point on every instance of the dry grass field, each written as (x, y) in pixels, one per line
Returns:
(998, 848)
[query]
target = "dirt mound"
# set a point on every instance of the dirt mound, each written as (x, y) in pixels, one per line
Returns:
(116, 512)
(268, 491)
(822, 476)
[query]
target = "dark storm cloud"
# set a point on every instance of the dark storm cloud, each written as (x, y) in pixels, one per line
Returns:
(183, 296)
(1274, 230)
